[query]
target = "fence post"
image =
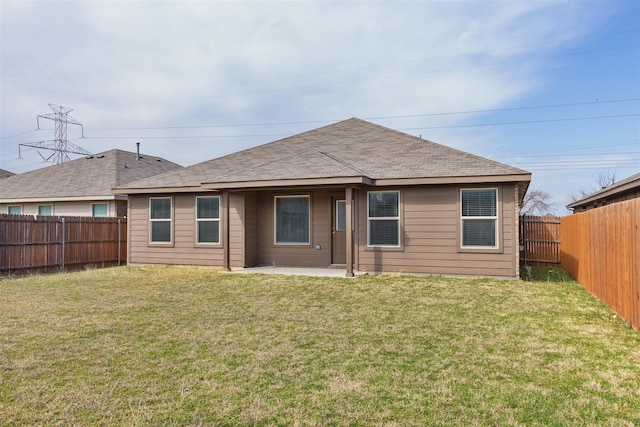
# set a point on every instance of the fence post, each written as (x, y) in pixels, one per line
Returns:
(524, 238)
(63, 238)
(119, 223)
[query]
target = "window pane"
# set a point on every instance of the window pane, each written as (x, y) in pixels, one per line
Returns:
(161, 231)
(479, 202)
(383, 204)
(15, 210)
(292, 220)
(479, 232)
(341, 215)
(160, 208)
(100, 209)
(208, 207)
(208, 232)
(383, 232)
(44, 210)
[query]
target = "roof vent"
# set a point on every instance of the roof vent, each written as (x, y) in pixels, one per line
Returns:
(138, 157)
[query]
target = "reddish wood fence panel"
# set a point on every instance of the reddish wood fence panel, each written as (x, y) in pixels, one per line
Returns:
(45, 244)
(601, 249)
(540, 240)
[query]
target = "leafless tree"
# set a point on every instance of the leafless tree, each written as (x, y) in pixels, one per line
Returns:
(602, 180)
(537, 202)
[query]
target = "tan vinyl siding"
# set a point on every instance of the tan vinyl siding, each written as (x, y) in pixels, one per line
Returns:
(183, 249)
(236, 230)
(431, 240)
(295, 255)
(251, 228)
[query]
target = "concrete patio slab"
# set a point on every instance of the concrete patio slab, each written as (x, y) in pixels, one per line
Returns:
(296, 271)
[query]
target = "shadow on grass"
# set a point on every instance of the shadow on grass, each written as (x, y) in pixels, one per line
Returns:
(544, 274)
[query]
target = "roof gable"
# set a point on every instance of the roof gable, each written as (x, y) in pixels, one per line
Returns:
(627, 184)
(349, 148)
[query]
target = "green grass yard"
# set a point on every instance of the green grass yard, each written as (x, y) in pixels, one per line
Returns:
(189, 346)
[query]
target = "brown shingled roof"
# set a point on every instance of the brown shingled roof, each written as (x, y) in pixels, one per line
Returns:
(89, 176)
(351, 148)
(5, 173)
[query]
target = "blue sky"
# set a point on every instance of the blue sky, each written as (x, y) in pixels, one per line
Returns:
(552, 87)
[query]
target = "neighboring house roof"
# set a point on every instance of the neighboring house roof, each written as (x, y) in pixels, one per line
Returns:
(351, 151)
(83, 178)
(5, 173)
(630, 184)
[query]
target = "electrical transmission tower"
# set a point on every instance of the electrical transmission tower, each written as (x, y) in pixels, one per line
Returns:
(60, 146)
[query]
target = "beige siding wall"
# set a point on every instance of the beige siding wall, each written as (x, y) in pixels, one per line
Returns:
(75, 208)
(430, 233)
(294, 255)
(183, 249)
(251, 228)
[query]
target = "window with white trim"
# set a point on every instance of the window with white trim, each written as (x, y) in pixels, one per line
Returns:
(45, 210)
(479, 217)
(100, 209)
(160, 219)
(15, 210)
(292, 220)
(208, 219)
(383, 218)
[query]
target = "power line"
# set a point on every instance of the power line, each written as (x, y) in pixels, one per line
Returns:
(448, 113)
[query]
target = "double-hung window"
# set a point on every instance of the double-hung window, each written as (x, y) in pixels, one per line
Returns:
(479, 216)
(160, 219)
(208, 219)
(383, 218)
(292, 220)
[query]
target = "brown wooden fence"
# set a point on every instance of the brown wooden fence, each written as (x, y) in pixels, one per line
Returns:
(540, 240)
(600, 248)
(47, 243)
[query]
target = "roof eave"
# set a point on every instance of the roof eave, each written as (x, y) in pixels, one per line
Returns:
(234, 185)
(524, 177)
(157, 190)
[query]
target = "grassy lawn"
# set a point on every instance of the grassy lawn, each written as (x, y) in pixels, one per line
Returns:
(188, 346)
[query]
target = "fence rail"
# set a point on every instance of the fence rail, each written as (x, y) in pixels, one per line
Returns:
(540, 240)
(601, 249)
(48, 243)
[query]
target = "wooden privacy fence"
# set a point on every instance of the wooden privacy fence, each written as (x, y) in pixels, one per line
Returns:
(540, 240)
(48, 243)
(601, 249)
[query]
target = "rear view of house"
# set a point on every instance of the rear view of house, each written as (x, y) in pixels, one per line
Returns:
(352, 194)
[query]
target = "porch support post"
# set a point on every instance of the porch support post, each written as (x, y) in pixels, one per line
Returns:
(349, 229)
(225, 231)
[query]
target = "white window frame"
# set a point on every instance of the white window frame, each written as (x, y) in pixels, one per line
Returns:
(201, 220)
(275, 220)
(50, 207)
(377, 218)
(152, 220)
(495, 218)
(14, 206)
(93, 214)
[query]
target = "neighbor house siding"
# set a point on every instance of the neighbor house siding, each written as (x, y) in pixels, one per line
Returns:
(73, 208)
(183, 248)
(430, 236)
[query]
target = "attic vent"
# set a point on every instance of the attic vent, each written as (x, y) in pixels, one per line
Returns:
(158, 160)
(101, 156)
(88, 158)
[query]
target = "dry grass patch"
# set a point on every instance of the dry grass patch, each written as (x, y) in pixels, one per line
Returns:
(189, 346)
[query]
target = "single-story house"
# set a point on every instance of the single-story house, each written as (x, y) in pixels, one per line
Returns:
(352, 194)
(80, 187)
(620, 191)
